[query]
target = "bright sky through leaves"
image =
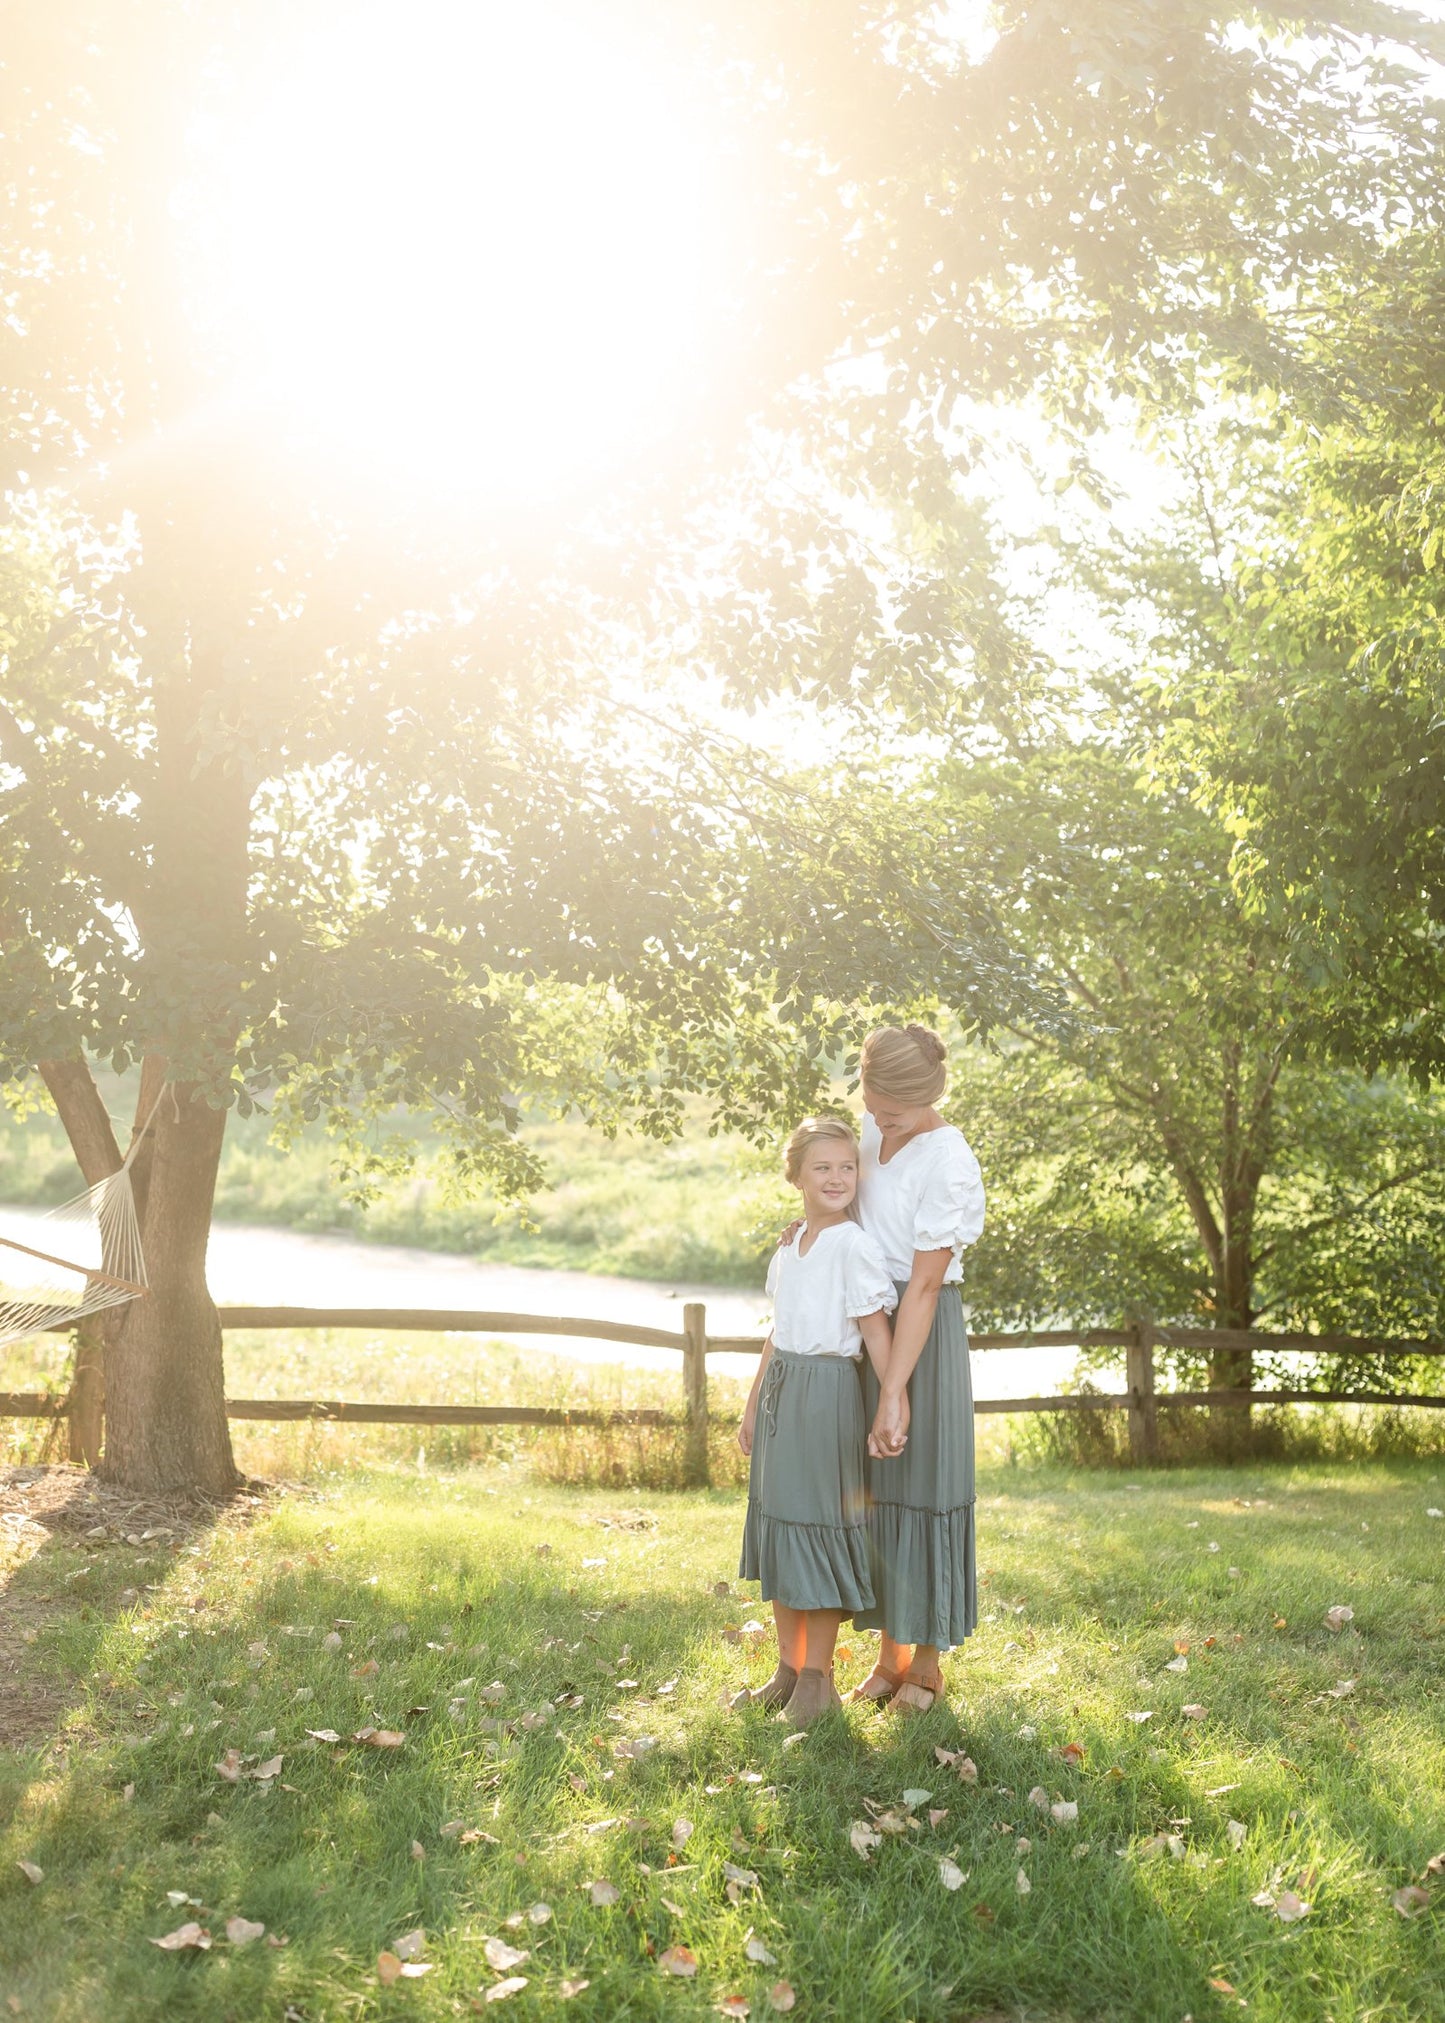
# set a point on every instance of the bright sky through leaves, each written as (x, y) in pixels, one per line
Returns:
(458, 246)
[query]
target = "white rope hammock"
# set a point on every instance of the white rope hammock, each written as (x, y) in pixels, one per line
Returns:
(42, 1290)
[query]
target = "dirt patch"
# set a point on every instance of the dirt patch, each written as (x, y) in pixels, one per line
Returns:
(56, 1504)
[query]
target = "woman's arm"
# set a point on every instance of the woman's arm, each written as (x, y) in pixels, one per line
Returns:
(750, 1410)
(910, 1331)
(877, 1340)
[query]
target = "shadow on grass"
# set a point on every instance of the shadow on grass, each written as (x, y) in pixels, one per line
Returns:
(524, 1796)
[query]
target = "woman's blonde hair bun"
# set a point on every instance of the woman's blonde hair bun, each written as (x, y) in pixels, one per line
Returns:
(905, 1064)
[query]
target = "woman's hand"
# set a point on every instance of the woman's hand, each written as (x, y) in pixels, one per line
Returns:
(790, 1232)
(745, 1430)
(889, 1434)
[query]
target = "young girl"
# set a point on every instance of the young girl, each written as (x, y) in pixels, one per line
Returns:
(806, 1535)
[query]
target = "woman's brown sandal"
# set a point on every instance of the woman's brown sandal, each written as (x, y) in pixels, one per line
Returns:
(917, 1695)
(891, 1681)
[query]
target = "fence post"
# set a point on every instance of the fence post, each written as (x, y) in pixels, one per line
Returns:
(1143, 1412)
(696, 1472)
(87, 1393)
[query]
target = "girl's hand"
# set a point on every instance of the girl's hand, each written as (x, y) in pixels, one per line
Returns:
(745, 1430)
(789, 1233)
(889, 1435)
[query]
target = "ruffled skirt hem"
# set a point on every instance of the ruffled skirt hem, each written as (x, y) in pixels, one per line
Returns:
(807, 1566)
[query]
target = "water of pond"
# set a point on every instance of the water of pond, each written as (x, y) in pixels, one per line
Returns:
(257, 1266)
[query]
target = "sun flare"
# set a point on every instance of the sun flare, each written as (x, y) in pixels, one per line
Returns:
(465, 247)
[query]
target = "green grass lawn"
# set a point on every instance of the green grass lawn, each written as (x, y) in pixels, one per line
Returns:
(134, 1668)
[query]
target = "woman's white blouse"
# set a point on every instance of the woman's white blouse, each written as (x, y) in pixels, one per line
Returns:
(818, 1297)
(928, 1197)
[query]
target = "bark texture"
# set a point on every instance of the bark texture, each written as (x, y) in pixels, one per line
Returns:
(166, 1425)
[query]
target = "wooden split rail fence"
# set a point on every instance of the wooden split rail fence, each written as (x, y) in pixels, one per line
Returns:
(83, 1403)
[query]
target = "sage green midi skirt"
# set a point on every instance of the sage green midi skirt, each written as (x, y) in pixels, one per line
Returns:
(920, 1502)
(806, 1535)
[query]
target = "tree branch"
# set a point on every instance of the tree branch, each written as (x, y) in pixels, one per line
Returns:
(1345, 1214)
(86, 1119)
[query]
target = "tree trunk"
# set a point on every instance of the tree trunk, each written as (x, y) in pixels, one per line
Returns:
(1232, 1369)
(166, 1426)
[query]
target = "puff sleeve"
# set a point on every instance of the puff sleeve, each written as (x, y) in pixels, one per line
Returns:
(867, 1286)
(950, 1208)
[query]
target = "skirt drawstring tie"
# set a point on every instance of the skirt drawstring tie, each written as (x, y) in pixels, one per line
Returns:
(772, 1385)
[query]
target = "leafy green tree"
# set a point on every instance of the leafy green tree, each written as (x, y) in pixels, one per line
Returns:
(1172, 1147)
(303, 804)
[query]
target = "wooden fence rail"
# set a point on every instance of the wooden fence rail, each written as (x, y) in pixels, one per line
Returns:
(1142, 1400)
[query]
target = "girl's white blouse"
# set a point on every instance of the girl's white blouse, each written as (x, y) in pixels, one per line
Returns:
(928, 1197)
(818, 1297)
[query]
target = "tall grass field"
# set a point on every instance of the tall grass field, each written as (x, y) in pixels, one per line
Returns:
(701, 1208)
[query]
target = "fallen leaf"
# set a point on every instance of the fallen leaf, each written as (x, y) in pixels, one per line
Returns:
(1289, 1908)
(1221, 1987)
(1065, 1812)
(1022, 1884)
(781, 1996)
(1138, 1718)
(915, 1797)
(1181, 1646)
(1177, 1665)
(863, 1838)
(500, 1990)
(269, 1769)
(603, 1893)
(418, 1852)
(501, 1956)
(1279, 1623)
(471, 1834)
(184, 1936)
(32, 1872)
(241, 1931)
(539, 1914)
(380, 1738)
(1194, 1712)
(757, 1952)
(411, 1945)
(1435, 1865)
(678, 1960)
(734, 2005)
(567, 1989)
(331, 1641)
(721, 1588)
(682, 1832)
(367, 1669)
(1237, 1830)
(229, 1766)
(1430, 1511)
(937, 1815)
(1338, 1616)
(1072, 1753)
(1039, 1799)
(1411, 1900)
(323, 1734)
(745, 1878)
(984, 1913)
(951, 1875)
(1342, 1688)
(676, 1909)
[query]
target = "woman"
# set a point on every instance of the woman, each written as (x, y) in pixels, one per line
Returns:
(921, 1200)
